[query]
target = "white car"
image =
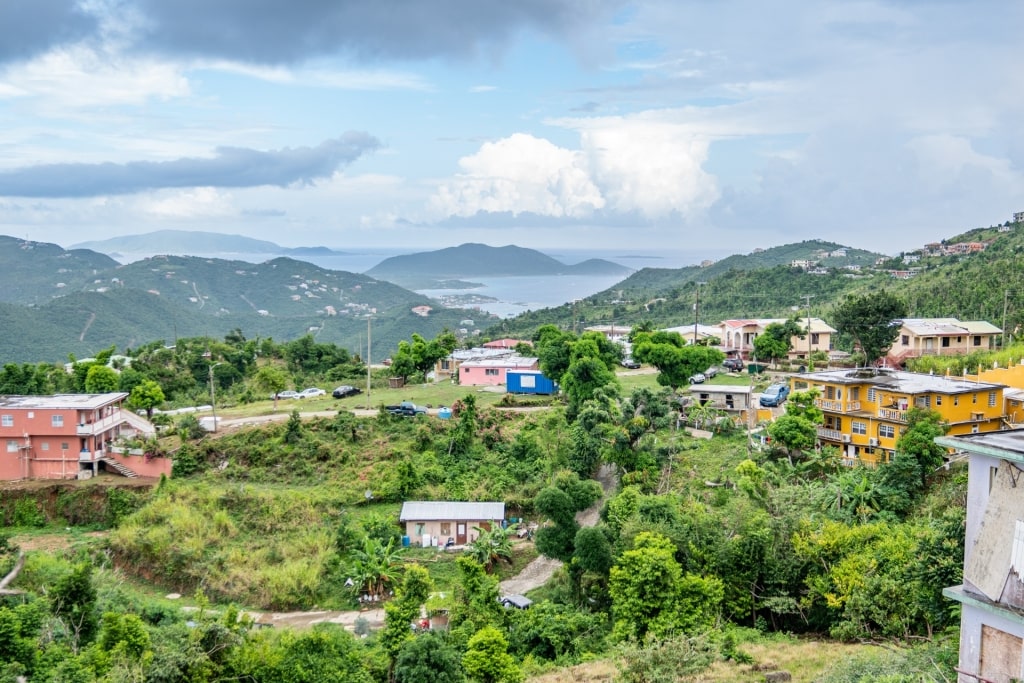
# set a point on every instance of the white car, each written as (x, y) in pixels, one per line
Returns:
(311, 392)
(286, 394)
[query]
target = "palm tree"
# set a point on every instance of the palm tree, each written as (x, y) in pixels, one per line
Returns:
(491, 546)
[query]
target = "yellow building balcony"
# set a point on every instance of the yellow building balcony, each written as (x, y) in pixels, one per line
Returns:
(837, 406)
(892, 415)
(830, 434)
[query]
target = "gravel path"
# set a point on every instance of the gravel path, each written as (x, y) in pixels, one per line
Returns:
(540, 571)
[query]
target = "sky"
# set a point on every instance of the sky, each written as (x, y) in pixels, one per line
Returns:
(599, 124)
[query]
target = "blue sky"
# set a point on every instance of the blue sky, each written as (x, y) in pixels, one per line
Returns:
(545, 123)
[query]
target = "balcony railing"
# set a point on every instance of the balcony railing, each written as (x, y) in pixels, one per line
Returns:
(100, 426)
(837, 406)
(830, 434)
(90, 456)
(893, 415)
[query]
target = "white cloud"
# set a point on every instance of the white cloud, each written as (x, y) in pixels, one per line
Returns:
(520, 174)
(79, 76)
(197, 202)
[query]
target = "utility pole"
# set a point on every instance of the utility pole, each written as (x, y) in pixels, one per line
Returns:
(696, 312)
(368, 319)
(1006, 298)
(213, 398)
(807, 304)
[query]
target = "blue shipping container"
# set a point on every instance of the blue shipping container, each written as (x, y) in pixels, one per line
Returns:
(529, 382)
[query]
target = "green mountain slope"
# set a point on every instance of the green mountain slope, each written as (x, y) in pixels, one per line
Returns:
(35, 272)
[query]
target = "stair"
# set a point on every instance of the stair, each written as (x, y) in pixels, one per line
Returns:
(119, 468)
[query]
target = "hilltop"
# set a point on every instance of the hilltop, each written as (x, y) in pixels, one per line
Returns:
(188, 242)
(422, 269)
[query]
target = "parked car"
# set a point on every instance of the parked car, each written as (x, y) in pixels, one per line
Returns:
(345, 390)
(711, 372)
(406, 409)
(312, 392)
(629, 363)
(774, 395)
(699, 378)
(286, 394)
(733, 364)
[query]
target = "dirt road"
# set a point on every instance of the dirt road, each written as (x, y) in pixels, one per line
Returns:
(540, 571)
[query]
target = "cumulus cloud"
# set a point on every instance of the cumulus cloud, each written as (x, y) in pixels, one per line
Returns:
(637, 166)
(228, 167)
(520, 174)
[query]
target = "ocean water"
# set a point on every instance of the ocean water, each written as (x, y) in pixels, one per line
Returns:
(514, 295)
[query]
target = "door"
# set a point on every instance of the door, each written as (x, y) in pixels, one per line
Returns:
(485, 526)
(1000, 655)
(460, 533)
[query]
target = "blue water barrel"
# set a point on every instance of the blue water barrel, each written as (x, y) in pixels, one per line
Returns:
(405, 541)
(444, 413)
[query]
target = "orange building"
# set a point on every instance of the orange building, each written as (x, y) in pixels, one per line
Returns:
(56, 437)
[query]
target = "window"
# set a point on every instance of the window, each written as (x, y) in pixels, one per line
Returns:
(446, 364)
(991, 399)
(491, 372)
(56, 420)
(977, 340)
(7, 421)
(63, 445)
(974, 398)
(886, 431)
(956, 400)
(814, 337)
(12, 446)
(45, 446)
(446, 528)
(923, 401)
(854, 393)
(938, 400)
(906, 340)
(420, 528)
(945, 342)
(859, 427)
(871, 395)
(975, 428)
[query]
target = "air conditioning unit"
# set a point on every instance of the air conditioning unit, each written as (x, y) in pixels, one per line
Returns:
(872, 442)
(845, 438)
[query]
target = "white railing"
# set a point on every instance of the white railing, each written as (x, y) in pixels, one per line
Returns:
(837, 406)
(830, 434)
(895, 415)
(90, 456)
(101, 425)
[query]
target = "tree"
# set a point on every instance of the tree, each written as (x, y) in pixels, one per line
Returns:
(918, 440)
(793, 433)
(404, 610)
(776, 340)
(487, 659)
(871, 319)
(584, 377)
(100, 379)
(556, 540)
(73, 603)
(676, 360)
(428, 657)
(491, 546)
(650, 594)
(272, 379)
(147, 396)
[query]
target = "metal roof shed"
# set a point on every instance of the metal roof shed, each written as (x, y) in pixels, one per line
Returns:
(414, 511)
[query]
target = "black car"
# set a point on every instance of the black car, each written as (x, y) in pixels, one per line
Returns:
(734, 364)
(345, 390)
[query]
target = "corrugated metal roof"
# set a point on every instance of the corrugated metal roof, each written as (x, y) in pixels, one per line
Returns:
(451, 510)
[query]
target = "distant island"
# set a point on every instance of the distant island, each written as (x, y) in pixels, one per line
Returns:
(427, 270)
(188, 242)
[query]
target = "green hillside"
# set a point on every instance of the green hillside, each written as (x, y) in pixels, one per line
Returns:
(35, 272)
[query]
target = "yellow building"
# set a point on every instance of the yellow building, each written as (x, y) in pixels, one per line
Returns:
(866, 409)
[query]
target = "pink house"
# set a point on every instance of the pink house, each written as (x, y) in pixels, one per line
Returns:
(56, 437)
(493, 371)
